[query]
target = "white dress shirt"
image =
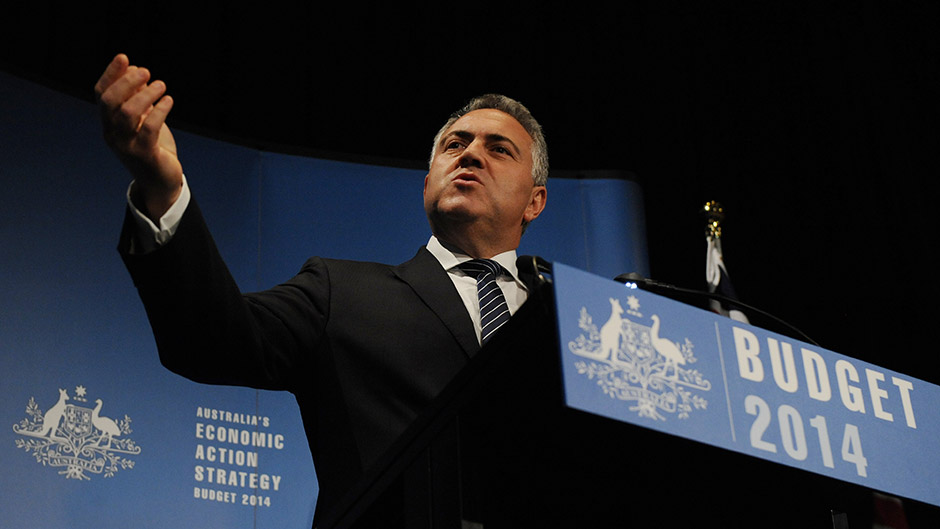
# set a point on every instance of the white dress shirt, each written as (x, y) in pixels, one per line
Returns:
(513, 289)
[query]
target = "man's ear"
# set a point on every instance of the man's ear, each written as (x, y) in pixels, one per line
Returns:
(536, 204)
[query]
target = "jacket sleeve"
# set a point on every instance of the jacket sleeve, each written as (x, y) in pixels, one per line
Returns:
(207, 330)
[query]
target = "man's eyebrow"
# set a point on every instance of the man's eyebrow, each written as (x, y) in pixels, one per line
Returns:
(490, 138)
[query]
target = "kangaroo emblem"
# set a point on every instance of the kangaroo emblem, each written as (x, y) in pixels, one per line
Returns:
(610, 332)
(50, 421)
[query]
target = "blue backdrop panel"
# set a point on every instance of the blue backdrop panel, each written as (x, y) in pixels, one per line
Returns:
(70, 319)
(593, 224)
(336, 209)
(73, 332)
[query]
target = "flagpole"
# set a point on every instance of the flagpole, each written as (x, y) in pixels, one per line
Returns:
(714, 214)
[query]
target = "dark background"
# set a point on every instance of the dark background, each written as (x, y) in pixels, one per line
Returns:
(814, 123)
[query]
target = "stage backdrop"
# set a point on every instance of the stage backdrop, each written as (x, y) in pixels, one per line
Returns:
(95, 432)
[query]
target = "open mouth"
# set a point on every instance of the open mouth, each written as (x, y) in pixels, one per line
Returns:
(466, 177)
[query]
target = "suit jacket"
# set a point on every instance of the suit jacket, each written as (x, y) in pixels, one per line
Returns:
(363, 346)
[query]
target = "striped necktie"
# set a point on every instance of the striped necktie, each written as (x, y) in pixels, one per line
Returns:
(493, 309)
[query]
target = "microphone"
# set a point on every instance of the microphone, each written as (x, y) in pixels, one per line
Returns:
(535, 267)
(536, 273)
(634, 280)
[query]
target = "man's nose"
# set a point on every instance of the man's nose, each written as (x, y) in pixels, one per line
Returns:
(471, 156)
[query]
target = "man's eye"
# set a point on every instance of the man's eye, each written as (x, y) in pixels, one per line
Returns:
(502, 150)
(453, 145)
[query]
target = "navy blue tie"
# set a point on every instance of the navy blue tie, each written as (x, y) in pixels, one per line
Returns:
(494, 312)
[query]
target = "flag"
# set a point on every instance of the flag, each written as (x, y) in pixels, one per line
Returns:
(716, 274)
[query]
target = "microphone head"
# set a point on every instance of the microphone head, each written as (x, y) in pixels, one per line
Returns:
(631, 277)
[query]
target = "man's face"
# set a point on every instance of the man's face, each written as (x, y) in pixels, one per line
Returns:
(481, 177)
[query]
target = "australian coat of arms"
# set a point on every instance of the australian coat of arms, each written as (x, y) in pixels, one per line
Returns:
(635, 363)
(76, 438)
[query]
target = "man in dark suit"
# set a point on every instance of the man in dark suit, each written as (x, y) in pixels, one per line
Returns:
(363, 346)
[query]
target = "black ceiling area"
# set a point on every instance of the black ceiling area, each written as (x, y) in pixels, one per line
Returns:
(813, 123)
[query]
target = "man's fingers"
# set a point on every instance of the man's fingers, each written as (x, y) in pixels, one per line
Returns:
(121, 90)
(136, 109)
(154, 120)
(129, 100)
(112, 73)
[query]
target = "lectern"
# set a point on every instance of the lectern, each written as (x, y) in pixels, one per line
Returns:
(503, 447)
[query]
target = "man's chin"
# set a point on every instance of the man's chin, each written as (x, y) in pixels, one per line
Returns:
(445, 219)
(457, 209)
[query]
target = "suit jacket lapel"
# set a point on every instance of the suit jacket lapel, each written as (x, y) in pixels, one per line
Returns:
(431, 283)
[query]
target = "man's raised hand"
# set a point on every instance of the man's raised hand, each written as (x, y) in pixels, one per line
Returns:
(133, 117)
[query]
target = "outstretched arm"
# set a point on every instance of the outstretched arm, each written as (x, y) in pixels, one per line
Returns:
(133, 117)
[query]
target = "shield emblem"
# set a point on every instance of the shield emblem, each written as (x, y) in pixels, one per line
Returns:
(77, 421)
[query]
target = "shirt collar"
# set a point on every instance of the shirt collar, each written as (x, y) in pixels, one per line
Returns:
(450, 256)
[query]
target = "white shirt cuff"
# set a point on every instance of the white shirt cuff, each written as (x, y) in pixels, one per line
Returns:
(150, 236)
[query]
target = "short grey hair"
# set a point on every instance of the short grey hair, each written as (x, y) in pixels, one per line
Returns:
(521, 114)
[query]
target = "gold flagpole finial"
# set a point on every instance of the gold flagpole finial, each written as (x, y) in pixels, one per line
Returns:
(714, 214)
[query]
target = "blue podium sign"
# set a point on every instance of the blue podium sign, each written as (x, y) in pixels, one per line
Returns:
(640, 358)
